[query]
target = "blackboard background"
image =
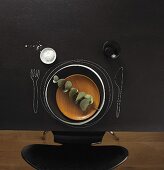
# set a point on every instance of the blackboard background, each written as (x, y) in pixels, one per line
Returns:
(77, 29)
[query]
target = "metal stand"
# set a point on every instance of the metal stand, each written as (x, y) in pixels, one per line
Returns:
(44, 135)
(114, 135)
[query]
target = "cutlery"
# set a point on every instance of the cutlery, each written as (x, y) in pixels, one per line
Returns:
(119, 83)
(34, 74)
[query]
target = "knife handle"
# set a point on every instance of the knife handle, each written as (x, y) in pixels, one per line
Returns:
(118, 109)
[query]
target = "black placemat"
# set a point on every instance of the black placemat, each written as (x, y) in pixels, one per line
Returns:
(78, 29)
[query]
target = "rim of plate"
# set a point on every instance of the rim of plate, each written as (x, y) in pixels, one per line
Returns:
(96, 113)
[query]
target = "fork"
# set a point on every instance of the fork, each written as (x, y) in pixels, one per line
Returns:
(34, 74)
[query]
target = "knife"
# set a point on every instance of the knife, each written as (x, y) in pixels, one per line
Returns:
(119, 83)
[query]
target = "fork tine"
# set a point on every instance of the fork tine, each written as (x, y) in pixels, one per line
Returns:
(32, 74)
(33, 70)
(38, 73)
(35, 73)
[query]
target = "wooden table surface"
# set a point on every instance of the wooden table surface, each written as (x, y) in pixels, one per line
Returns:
(145, 149)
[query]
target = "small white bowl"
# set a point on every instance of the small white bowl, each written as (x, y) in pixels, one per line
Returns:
(48, 55)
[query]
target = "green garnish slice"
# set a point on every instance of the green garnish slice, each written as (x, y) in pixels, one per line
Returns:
(87, 96)
(84, 104)
(80, 96)
(55, 79)
(61, 82)
(72, 93)
(68, 86)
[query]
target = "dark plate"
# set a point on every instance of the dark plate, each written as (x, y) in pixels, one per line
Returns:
(90, 70)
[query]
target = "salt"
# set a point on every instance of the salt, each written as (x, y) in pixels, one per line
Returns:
(48, 55)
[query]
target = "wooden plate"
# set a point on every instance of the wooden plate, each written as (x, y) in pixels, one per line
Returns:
(68, 107)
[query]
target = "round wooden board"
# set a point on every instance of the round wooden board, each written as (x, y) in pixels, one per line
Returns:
(68, 107)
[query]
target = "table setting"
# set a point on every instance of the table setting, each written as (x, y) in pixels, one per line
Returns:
(116, 64)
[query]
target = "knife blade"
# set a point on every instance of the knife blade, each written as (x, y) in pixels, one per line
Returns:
(119, 83)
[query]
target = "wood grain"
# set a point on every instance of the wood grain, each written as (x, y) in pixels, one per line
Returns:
(68, 107)
(145, 149)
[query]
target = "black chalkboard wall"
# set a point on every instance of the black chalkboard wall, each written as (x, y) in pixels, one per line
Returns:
(78, 29)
